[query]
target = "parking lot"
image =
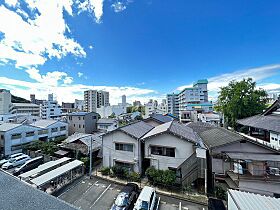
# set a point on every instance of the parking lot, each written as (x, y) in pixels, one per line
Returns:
(88, 194)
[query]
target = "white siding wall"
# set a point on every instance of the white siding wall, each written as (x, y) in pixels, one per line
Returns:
(110, 155)
(58, 124)
(275, 139)
(183, 150)
(8, 142)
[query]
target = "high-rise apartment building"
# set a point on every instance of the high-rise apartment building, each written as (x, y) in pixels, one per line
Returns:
(190, 99)
(94, 99)
(5, 101)
(50, 109)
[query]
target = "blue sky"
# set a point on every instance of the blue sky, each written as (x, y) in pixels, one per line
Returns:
(141, 48)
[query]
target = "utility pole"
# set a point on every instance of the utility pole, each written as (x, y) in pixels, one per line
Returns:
(90, 158)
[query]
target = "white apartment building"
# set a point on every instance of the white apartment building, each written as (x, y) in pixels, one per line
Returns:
(14, 136)
(50, 109)
(153, 107)
(5, 101)
(79, 105)
(190, 99)
(94, 99)
(25, 109)
(106, 111)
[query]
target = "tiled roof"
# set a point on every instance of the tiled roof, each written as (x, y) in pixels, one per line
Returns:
(214, 136)
(106, 121)
(268, 122)
(137, 129)
(175, 128)
(15, 194)
(161, 118)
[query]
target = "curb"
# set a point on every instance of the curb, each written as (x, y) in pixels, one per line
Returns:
(160, 193)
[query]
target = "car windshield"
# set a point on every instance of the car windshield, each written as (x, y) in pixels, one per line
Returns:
(142, 205)
(12, 160)
(121, 200)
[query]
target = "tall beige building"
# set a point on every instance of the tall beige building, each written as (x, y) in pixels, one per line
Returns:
(5, 101)
(94, 99)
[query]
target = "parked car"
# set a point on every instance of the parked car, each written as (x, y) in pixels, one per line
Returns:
(10, 157)
(126, 198)
(146, 199)
(29, 165)
(16, 162)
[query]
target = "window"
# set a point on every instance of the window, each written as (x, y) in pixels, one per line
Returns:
(83, 126)
(30, 133)
(74, 125)
(93, 117)
(16, 136)
(163, 151)
(54, 130)
(79, 118)
(124, 147)
(63, 128)
(83, 118)
(79, 126)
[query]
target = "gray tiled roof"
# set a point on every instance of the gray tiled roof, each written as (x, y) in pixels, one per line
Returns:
(137, 129)
(214, 136)
(161, 118)
(175, 128)
(268, 122)
(106, 121)
(15, 194)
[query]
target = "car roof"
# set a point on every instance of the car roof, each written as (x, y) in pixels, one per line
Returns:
(17, 154)
(128, 188)
(33, 159)
(146, 193)
(21, 156)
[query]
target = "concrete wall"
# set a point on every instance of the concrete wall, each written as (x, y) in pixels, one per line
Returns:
(110, 154)
(183, 149)
(83, 124)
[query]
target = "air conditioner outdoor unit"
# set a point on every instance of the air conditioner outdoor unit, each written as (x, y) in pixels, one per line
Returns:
(274, 171)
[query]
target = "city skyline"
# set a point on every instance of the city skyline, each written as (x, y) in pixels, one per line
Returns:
(66, 47)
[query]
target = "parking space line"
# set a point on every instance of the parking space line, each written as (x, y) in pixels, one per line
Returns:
(69, 189)
(100, 196)
(85, 192)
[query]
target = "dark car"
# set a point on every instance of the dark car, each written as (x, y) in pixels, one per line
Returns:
(126, 198)
(29, 165)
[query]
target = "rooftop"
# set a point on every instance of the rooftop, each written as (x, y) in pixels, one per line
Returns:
(25, 104)
(16, 194)
(8, 126)
(78, 113)
(137, 130)
(44, 123)
(106, 121)
(161, 118)
(251, 201)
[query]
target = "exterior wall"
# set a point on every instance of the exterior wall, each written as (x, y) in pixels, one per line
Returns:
(83, 123)
(110, 154)
(107, 127)
(60, 132)
(5, 101)
(9, 144)
(29, 109)
(94, 99)
(219, 166)
(106, 111)
(50, 110)
(275, 139)
(183, 150)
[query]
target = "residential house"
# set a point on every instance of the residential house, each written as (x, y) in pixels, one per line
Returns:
(123, 146)
(241, 162)
(82, 142)
(82, 122)
(14, 136)
(53, 128)
(107, 124)
(157, 119)
(174, 146)
(264, 127)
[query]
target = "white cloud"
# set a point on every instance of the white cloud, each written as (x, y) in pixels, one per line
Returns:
(93, 6)
(118, 6)
(258, 74)
(80, 74)
(90, 47)
(61, 84)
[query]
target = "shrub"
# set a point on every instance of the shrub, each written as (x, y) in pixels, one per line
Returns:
(120, 172)
(220, 192)
(105, 171)
(161, 177)
(134, 177)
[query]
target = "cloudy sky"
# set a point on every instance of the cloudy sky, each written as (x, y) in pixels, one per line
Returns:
(141, 48)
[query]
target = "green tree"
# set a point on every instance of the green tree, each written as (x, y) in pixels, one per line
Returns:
(241, 99)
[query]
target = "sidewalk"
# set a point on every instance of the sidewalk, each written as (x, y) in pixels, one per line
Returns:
(194, 198)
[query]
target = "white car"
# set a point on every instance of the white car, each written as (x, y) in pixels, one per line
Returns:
(146, 199)
(16, 162)
(10, 157)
